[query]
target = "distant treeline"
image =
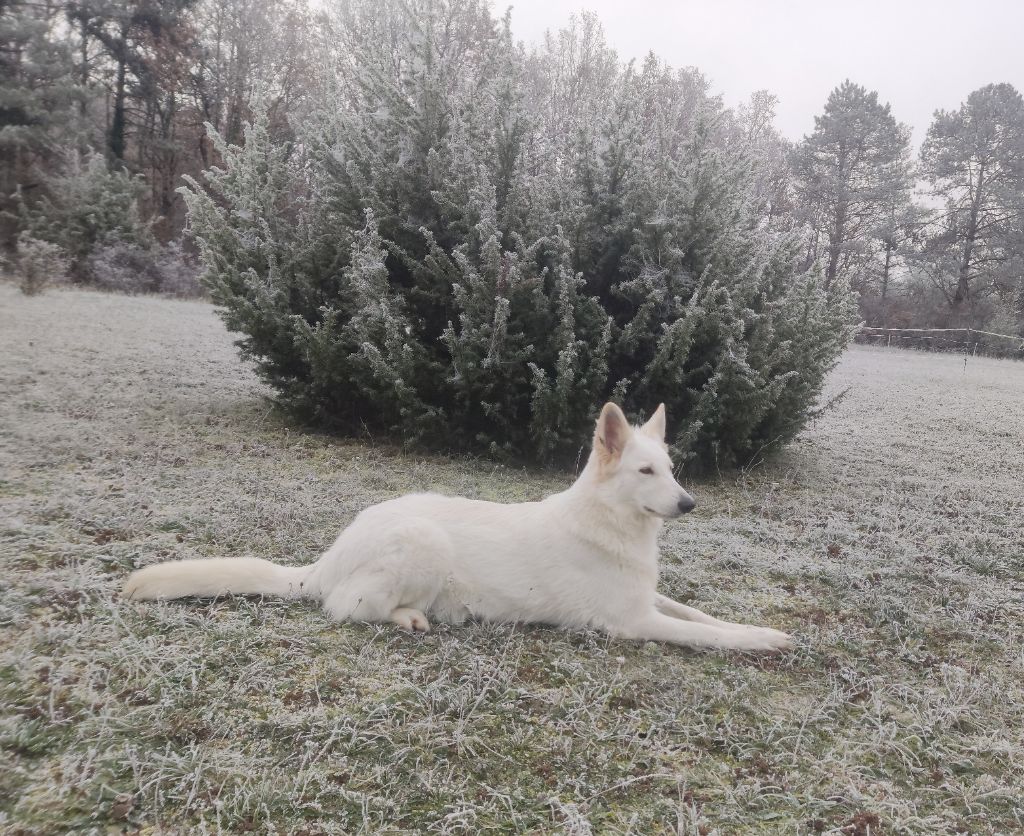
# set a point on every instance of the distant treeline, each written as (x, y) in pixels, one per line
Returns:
(104, 106)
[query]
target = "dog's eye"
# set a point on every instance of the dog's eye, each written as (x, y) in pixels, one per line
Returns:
(647, 471)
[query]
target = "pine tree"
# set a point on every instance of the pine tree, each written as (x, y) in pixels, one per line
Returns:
(38, 94)
(845, 173)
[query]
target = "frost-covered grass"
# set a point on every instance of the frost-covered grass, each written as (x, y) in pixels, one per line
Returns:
(888, 539)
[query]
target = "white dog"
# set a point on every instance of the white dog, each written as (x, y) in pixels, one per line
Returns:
(586, 557)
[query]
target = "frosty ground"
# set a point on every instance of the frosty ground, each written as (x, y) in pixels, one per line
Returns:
(888, 539)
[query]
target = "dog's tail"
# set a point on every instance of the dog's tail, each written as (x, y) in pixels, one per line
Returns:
(214, 577)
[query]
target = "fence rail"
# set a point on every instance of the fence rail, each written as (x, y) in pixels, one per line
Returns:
(967, 341)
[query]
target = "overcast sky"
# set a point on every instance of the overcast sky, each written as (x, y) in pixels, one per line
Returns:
(919, 56)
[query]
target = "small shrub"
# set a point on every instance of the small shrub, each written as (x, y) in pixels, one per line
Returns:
(88, 206)
(40, 264)
(179, 273)
(128, 267)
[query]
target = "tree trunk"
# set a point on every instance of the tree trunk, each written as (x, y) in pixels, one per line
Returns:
(84, 69)
(117, 125)
(885, 283)
(167, 170)
(835, 245)
(963, 284)
(838, 232)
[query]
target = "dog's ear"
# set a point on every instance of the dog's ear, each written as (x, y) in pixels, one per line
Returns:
(655, 426)
(611, 434)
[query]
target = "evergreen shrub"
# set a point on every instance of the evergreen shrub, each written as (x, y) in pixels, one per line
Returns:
(467, 246)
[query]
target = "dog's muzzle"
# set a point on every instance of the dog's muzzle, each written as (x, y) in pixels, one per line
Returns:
(686, 504)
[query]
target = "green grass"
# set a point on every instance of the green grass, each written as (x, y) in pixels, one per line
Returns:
(888, 539)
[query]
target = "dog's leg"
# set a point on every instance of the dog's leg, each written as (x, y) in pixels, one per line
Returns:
(677, 610)
(657, 626)
(401, 573)
(363, 597)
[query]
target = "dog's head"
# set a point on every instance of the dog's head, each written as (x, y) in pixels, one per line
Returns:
(633, 464)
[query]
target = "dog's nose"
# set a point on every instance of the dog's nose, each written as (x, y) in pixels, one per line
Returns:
(686, 504)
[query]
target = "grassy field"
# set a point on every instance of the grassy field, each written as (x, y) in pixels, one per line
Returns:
(888, 539)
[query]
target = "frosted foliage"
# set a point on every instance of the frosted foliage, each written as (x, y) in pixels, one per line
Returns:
(132, 268)
(470, 246)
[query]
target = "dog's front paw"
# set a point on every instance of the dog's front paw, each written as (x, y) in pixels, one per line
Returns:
(763, 639)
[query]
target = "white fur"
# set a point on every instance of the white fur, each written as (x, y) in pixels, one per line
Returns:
(586, 557)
